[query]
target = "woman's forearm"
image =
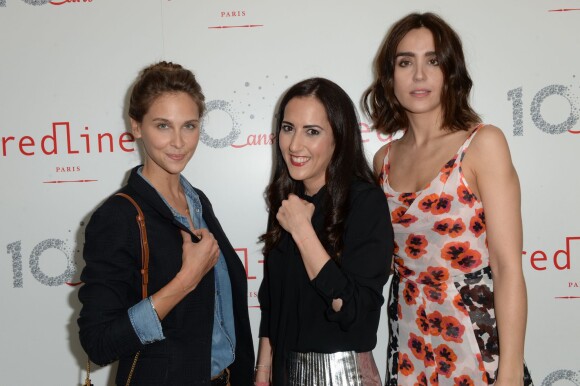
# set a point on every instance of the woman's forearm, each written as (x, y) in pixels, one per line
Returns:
(511, 314)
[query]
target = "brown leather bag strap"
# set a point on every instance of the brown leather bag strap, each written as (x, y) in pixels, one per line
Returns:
(144, 279)
(144, 244)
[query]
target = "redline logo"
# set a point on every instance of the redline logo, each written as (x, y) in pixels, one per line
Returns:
(60, 141)
(365, 130)
(560, 259)
(243, 254)
(252, 294)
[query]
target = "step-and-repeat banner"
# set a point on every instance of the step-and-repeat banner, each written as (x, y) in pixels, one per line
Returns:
(65, 70)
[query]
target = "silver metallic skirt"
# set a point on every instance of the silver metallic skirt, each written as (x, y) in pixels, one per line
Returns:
(346, 368)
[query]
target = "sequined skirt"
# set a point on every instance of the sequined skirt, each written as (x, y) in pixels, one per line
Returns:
(346, 368)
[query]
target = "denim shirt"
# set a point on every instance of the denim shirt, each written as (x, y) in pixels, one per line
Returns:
(146, 323)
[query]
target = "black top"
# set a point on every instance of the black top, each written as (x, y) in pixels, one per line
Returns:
(112, 284)
(297, 313)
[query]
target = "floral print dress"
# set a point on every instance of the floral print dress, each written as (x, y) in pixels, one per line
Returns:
(442, 328)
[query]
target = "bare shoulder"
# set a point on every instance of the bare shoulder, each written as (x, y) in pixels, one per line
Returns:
(489, 145)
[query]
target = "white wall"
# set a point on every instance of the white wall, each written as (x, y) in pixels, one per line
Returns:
(71, 64)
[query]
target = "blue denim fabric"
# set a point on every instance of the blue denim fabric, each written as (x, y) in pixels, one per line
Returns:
(143, 316)
(224, 335)
(145, 322)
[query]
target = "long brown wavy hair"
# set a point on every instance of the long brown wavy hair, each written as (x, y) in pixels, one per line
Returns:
(348, 163)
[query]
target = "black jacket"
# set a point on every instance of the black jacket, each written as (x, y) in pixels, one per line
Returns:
(297, 312)
(112, 284)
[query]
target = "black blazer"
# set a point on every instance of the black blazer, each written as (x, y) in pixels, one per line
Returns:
(112, 284)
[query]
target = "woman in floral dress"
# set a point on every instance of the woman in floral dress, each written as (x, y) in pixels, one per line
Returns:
(458, 295)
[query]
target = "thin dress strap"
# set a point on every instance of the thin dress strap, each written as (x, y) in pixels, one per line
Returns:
(465, 145)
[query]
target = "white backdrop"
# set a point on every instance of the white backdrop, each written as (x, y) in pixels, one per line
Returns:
(65, 70)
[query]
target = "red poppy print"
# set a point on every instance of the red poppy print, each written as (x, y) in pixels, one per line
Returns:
(382, 178)
(477, 223)
(384, 173)
(436, 204)
(428, 202)
(416, 245)
(443, 298)
(422, 322)
(400, 216)
(429, 360)
(445, 352)
(465, 196)
(481, 367)
(444, 367)
(480, 362)
(445, 359)
(435, 285)
(434, 379)
(403, 270)
(436, 293)
(447, 169)
(405, 365)
(448, 226)
(410, 293)
(439, 274)
(462, 257)
(452, 329)
(434, 276)
(407, 198)
(443, 204)
(435, 323)
(459, 305)
(421, 380)
(417, 346)
(463, 380)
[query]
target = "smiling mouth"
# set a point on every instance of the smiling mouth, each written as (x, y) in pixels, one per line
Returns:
(298, 161)
(420, 93)
(176, 157)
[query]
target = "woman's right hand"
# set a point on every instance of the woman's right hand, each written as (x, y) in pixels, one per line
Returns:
(197, 258)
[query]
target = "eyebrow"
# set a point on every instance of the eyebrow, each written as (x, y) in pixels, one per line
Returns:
(305, 126)
(167, 120)
(408, 53)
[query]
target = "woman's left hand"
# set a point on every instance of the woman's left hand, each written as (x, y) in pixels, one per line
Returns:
(295, 213)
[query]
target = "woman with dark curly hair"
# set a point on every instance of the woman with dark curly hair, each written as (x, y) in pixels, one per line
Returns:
(327, 249)
(456, 216)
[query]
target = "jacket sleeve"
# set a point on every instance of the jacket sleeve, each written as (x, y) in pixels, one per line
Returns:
(264, 299)
(363, 269)
(112, 283)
